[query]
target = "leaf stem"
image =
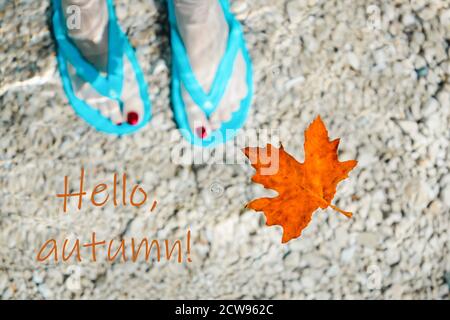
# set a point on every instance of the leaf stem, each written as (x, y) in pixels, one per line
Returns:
(345, 213)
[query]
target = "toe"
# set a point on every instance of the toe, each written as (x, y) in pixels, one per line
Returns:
(104, 110)
(198, 122)
(236, 92)
(201, 132)
(215, 121)
(226, 115)
(132, 110)
(133, 107)
(115, 115)
(133, 118)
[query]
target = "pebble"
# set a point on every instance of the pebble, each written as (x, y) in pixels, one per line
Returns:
(38, 277)
(368, 239)
(409, 19)
(294, 11)
(392, 256)
(45, 291)
(347, 254)
(445, 195)
(410, 127)
(353, 60)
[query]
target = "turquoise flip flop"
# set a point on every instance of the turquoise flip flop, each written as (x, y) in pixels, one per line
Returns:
(182, 74)
(109, 86)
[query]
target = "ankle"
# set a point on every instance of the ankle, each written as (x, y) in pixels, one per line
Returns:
(196, 16)
(91, 35)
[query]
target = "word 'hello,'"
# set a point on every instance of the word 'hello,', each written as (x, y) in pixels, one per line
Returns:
(118, 196)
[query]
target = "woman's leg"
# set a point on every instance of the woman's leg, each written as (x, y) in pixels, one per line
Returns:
(90, 35)
(204, 31)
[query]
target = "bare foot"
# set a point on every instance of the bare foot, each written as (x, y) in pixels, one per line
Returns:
(91, 38)
(204, 30)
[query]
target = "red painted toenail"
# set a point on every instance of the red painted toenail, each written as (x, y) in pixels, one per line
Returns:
(201, 132)
(132, 118)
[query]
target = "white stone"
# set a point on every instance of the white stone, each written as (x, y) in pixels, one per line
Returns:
(445, 195)
(368, 239)
(392, 256)
(410, 127)
(353, 60)
(347, 254)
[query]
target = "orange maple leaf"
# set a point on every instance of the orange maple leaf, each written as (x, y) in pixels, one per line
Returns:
(302, 187)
